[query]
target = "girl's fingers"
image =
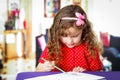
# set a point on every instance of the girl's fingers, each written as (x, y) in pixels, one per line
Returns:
(81, 70)
(53, 63)
(48, 66)
(78, 69)
(75, 69)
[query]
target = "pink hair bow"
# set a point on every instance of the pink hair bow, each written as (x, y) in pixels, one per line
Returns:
(79, 20)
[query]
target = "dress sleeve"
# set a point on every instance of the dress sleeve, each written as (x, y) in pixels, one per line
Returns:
(44, 55)
(94, 63)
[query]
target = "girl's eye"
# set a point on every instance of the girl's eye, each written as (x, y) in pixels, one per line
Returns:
(64, 35)
(75, 35)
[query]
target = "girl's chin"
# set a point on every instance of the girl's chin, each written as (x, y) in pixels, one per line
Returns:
(71, 46)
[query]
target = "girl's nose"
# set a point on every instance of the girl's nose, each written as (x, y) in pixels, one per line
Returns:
(69, 40)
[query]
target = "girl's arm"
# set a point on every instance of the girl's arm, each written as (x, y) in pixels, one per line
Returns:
(39, 67)
(95, 63)
(46, 66)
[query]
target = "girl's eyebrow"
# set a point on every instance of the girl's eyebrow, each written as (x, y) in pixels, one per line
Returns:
(74, 34)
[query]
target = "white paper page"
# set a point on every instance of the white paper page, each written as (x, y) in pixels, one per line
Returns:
(68, 76)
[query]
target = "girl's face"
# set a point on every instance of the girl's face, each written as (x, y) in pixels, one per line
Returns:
(72, 37)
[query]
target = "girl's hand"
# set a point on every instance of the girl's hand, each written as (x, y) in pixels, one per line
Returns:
(48, 66)
(78, 69)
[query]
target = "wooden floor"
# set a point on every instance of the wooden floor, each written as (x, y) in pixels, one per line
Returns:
(13, 66)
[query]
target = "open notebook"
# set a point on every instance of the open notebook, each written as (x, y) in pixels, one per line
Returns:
(69, 76)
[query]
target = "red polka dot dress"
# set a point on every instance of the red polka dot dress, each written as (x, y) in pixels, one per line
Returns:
(77, 56)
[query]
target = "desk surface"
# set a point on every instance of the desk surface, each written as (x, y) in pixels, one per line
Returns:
(112, 75)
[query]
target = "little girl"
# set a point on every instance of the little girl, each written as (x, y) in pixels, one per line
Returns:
(72, 45)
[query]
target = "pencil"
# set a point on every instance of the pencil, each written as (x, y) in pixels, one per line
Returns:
(54, 66)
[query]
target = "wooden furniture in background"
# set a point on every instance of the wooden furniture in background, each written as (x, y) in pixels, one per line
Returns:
(10, 49)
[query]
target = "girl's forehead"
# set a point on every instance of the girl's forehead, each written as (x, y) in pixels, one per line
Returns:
(72, 30)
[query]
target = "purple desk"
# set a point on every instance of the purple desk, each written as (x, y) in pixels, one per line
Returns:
(113, 75)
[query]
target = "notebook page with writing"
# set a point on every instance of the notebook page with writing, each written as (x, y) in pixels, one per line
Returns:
(68, 76)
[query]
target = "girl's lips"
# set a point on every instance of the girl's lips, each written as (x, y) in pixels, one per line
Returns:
(70, 45)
